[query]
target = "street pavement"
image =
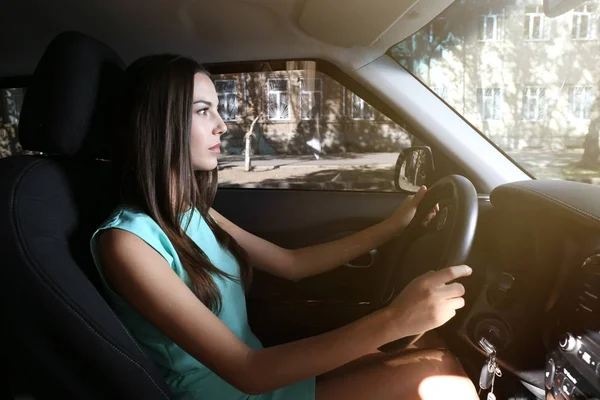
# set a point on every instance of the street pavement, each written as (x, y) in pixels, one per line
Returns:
(260, 162)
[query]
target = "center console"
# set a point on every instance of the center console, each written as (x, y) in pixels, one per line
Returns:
(573, 362)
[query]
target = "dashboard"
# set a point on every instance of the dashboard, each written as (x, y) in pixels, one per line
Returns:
(537, 260)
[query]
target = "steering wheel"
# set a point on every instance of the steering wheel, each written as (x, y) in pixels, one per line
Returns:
(444, 242)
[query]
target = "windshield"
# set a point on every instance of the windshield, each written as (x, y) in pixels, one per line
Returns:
(527, 82)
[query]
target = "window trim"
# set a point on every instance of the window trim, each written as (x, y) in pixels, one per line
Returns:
(303, 91)
(571, 103)
(244, 79)
(544, 24)
(354, 96)
(499, 27)
(542, 104)
(278, 92)
(592, 23)
(235, 95)
(498, 112)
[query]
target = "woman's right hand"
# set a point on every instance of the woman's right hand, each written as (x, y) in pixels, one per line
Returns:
(429, 301)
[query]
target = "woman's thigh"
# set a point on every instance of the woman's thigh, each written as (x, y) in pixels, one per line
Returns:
(430, 340)
(415, 373)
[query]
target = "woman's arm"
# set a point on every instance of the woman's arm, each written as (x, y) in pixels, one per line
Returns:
(301, 263)
(144, 279)
(308, 261)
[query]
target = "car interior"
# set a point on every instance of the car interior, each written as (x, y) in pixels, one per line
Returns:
(534, 244)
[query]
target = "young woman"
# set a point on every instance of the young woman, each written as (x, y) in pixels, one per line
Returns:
(176, 270)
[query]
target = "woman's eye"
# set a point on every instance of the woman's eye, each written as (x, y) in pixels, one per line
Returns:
(203, 111)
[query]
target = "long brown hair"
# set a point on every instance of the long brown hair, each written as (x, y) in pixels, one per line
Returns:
(155, 167)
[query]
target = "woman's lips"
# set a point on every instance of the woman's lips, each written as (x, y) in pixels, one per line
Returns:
(216, 148)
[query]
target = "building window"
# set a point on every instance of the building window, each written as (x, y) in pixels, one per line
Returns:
(491, 27)
(535, 23)
(227, 94)
(278, 97)
(584, 22)
(361, 109)
(490, 103)
(534, 104)
(311, 98)
(580, 102)
(441, 91)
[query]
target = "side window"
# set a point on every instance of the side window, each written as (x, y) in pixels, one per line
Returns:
(307, 130)
(11, 100)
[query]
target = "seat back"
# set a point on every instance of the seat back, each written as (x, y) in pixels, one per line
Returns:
(60, 339)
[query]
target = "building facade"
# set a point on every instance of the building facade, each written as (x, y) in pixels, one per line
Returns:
(302, 111)
(523, 79)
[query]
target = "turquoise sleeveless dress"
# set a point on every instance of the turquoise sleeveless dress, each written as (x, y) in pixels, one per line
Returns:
(186, 376)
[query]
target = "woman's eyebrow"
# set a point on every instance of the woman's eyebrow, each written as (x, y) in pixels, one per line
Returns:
(208, 103)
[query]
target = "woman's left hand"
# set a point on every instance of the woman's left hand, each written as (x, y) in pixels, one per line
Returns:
(406, 212)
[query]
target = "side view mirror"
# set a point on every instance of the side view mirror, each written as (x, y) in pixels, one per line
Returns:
(414, 167)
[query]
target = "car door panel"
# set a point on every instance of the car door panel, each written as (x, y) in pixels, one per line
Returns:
(282, 310)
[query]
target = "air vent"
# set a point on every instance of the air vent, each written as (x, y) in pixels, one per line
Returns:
(588, 289)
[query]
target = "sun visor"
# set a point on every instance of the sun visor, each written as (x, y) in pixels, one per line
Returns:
(353, 23)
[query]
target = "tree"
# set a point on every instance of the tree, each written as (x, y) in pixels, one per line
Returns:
(591, 147)
(248, 138)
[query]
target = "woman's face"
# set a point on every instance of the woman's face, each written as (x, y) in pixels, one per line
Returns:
(207, 125)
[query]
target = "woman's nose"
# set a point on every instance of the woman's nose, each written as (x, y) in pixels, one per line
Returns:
(221, 127)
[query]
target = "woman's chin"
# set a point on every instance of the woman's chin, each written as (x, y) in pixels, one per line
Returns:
(205, 166)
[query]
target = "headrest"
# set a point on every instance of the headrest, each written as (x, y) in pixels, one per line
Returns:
(67, 106)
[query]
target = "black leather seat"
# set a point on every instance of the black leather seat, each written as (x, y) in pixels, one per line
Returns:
(59, 338)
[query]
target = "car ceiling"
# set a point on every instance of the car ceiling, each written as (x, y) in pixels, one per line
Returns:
(349, 33)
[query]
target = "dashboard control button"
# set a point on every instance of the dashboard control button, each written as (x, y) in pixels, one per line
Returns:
(567, 387)
(587, 358)
(567, 342)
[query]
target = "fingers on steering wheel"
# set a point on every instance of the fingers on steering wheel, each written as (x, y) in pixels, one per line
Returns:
(431, 215)
(456, 303)
(451, 273)
(453, 290)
